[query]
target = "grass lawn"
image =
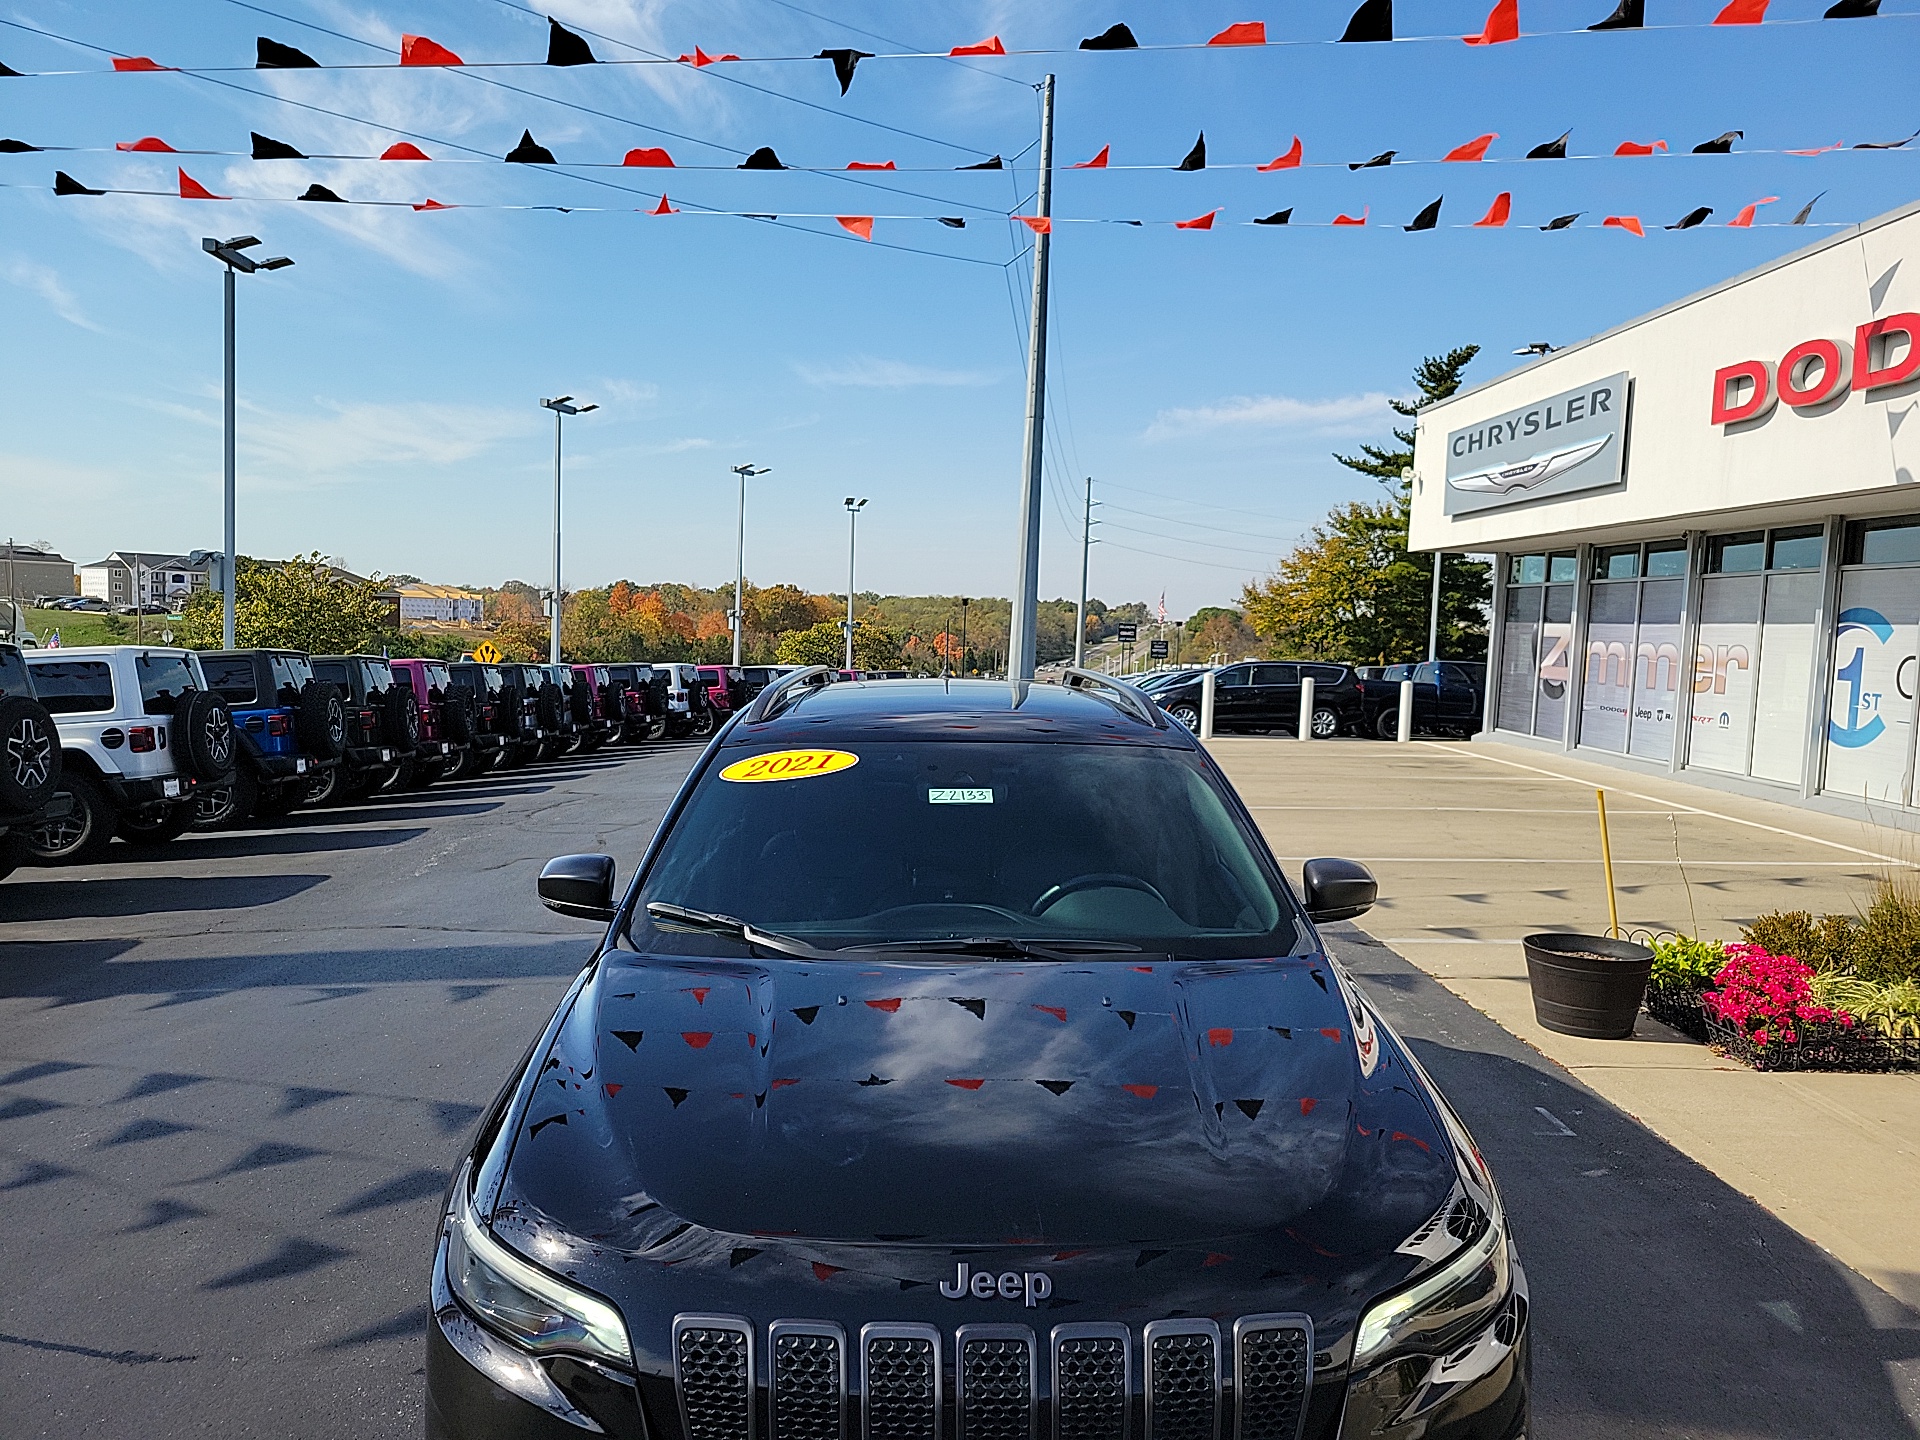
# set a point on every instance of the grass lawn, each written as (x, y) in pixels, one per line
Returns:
(77, 627)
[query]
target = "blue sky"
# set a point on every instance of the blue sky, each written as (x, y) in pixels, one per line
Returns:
(390, 380)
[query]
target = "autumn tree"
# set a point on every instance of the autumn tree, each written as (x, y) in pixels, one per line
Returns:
(301, 604)
(874, 648)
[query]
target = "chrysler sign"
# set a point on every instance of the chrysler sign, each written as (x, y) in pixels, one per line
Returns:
(1574, 441)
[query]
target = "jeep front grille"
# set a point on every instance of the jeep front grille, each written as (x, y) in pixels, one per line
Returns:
(996, 1397)
(1272, 1366)
(713, 1366)
(809, 1380)
(1092, 1382)
(900, 1382)
(1183, 1380)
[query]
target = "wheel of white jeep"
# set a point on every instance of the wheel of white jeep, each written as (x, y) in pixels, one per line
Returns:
(218, 805)
(77, 838)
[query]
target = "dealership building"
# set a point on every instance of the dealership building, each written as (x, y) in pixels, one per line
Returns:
(1706, 526)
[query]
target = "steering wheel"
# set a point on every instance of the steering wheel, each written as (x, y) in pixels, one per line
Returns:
(1094, 882)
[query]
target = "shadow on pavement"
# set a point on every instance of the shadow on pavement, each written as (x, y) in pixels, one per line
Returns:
(237, 845)
(1664, 1301)
(78, 899)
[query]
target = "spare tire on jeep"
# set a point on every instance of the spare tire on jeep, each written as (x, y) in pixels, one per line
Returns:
(582, 699)
(204, 737)
(29, 754)
(456, 721)
(506, 712)
(321, 720)
(400, 719)
(547, 706)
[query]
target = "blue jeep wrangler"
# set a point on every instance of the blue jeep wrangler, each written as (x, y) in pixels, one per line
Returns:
(291, 727)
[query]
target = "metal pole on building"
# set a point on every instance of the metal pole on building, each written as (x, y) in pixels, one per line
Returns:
(561, 408)
(1433, 610)
(737, 616)
(854, 507)
(1086, 549)
(1021, 640)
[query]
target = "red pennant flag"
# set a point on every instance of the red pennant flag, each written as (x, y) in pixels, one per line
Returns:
(663, 208)
(1634, 147)
(1497, 212)
(1359, 219)
(1288, 161)
(1503, 24)
(700, 58)
(651, 156)
(150, 144)
(1745, 217)
(985, 47)
(698, 1039)
(861, 225)
(434, 205)
(1306, 1105)
(823, 1271)
(1145, 1092)
(1059, 1012)
(1247, 32)
(1220, 1036)
(967, 1084)
(1039, 224)
(418, 50)
(192, 189)
(612, 1089)
(891, 1005)
(404, 151)
(129, 64)
(1475, 149)
(1098, 162)
(1630, 223)
(1821, 151)
(1199, 222)
(1742, 12)
(871, 165)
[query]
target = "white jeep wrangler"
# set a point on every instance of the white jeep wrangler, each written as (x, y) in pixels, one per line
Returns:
(139, 729)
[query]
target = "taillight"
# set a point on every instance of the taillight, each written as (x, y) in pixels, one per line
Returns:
(279, 725)
(140, 739)
(367, 718)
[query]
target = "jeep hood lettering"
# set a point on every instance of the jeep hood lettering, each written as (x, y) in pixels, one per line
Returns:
(1116, 1102)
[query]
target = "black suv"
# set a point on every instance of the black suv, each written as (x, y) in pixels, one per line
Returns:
(949, 1063)
(29, 755)
(383, 727)
(1265, 695)
(290, 727)
(1449, 697)
(495, 705)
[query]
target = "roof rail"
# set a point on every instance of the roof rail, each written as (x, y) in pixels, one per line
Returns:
(775, 698)
(1123, 695)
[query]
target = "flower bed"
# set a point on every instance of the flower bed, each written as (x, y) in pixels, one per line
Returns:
(1817, 1047)
(1678, 1006)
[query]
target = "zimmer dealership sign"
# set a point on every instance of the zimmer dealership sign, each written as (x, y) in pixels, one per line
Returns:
(1573, 441)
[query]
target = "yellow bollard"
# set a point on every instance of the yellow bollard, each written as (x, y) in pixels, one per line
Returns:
(1606, 859)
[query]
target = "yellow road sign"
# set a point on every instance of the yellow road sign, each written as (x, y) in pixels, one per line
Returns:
(487, 653)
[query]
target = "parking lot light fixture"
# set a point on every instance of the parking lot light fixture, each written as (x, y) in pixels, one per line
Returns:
(561, 407)
(232, 254)
(737, 616)
(854, 507)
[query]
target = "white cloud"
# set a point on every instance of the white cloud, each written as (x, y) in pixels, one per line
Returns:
(1344, 414)
(867, 373)
(368, 437)
(628, 392)
(46, 283)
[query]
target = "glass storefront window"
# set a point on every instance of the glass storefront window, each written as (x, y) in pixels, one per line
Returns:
(1667, 557)
(1894, 541)
(1535, 669)
(1528, 570)
(1741, 554)
(1617, 562)
(1796, 549)
(1562, 569)
(1631, 697)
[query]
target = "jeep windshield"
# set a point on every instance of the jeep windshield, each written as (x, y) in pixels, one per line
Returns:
(868, 846)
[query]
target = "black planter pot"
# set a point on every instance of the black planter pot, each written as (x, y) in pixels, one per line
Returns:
(1587, 985)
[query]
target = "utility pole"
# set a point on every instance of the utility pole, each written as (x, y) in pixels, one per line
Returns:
(561, 408)
(854, 507)
(1086, 548)
(1021, 639)
(1433, 611)
(964, 603)
(738, 614)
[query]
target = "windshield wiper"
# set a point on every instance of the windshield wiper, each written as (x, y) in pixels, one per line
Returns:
(709, 923)
(1005, 948)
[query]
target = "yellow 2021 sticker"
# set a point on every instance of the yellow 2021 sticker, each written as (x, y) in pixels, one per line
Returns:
(788, 765)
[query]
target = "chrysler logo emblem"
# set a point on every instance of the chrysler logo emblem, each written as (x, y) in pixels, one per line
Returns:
(1534, 470)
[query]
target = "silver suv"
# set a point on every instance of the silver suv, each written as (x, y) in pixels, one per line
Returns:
(139, 729)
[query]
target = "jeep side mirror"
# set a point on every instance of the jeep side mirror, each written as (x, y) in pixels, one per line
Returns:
(580, 886)
(1338, 889)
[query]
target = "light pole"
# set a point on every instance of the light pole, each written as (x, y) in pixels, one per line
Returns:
(854, 507)
(229, 253)
(737, 616)
(964, 603)
(1086, 550)
(561, 408)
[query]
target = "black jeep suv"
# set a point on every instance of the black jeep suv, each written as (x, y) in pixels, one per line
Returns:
(959, 1062)
(383, 726)
(29, 755)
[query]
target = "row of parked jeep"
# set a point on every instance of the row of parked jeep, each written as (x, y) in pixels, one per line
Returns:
(146, 742)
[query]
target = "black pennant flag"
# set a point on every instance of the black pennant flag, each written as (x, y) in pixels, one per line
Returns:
(566, 48)
(272, 55)
(1196, 157)
(762, 159)
(1552, 150)
(1720, 144)
(1806, 210)
(65, 184)
(7, 72)
(527, 152)
(267, 148)
(1691, 218)
(1278, 217)
(320, 192)
(844, 63)
(1854, 10)
(1385, 157)
(1119, 37)
(952, 222)
(1373, 21)
(1630, 15)
(1561, 222)
(1428, 218)
(1888, 144)
(18, 147)
(996, 163)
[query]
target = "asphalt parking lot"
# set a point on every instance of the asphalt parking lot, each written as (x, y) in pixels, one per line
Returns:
(233, 1077)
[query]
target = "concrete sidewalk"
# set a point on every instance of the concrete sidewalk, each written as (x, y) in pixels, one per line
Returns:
(1477, 845)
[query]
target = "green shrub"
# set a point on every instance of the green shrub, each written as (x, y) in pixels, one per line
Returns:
(1683, 963)
(1786, 932)
(1891, 1009)
(1887, 945)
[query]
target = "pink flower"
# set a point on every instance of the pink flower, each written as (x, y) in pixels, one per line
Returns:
(1761, 995)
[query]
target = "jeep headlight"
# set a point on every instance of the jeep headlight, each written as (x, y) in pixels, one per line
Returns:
(536, 1310)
